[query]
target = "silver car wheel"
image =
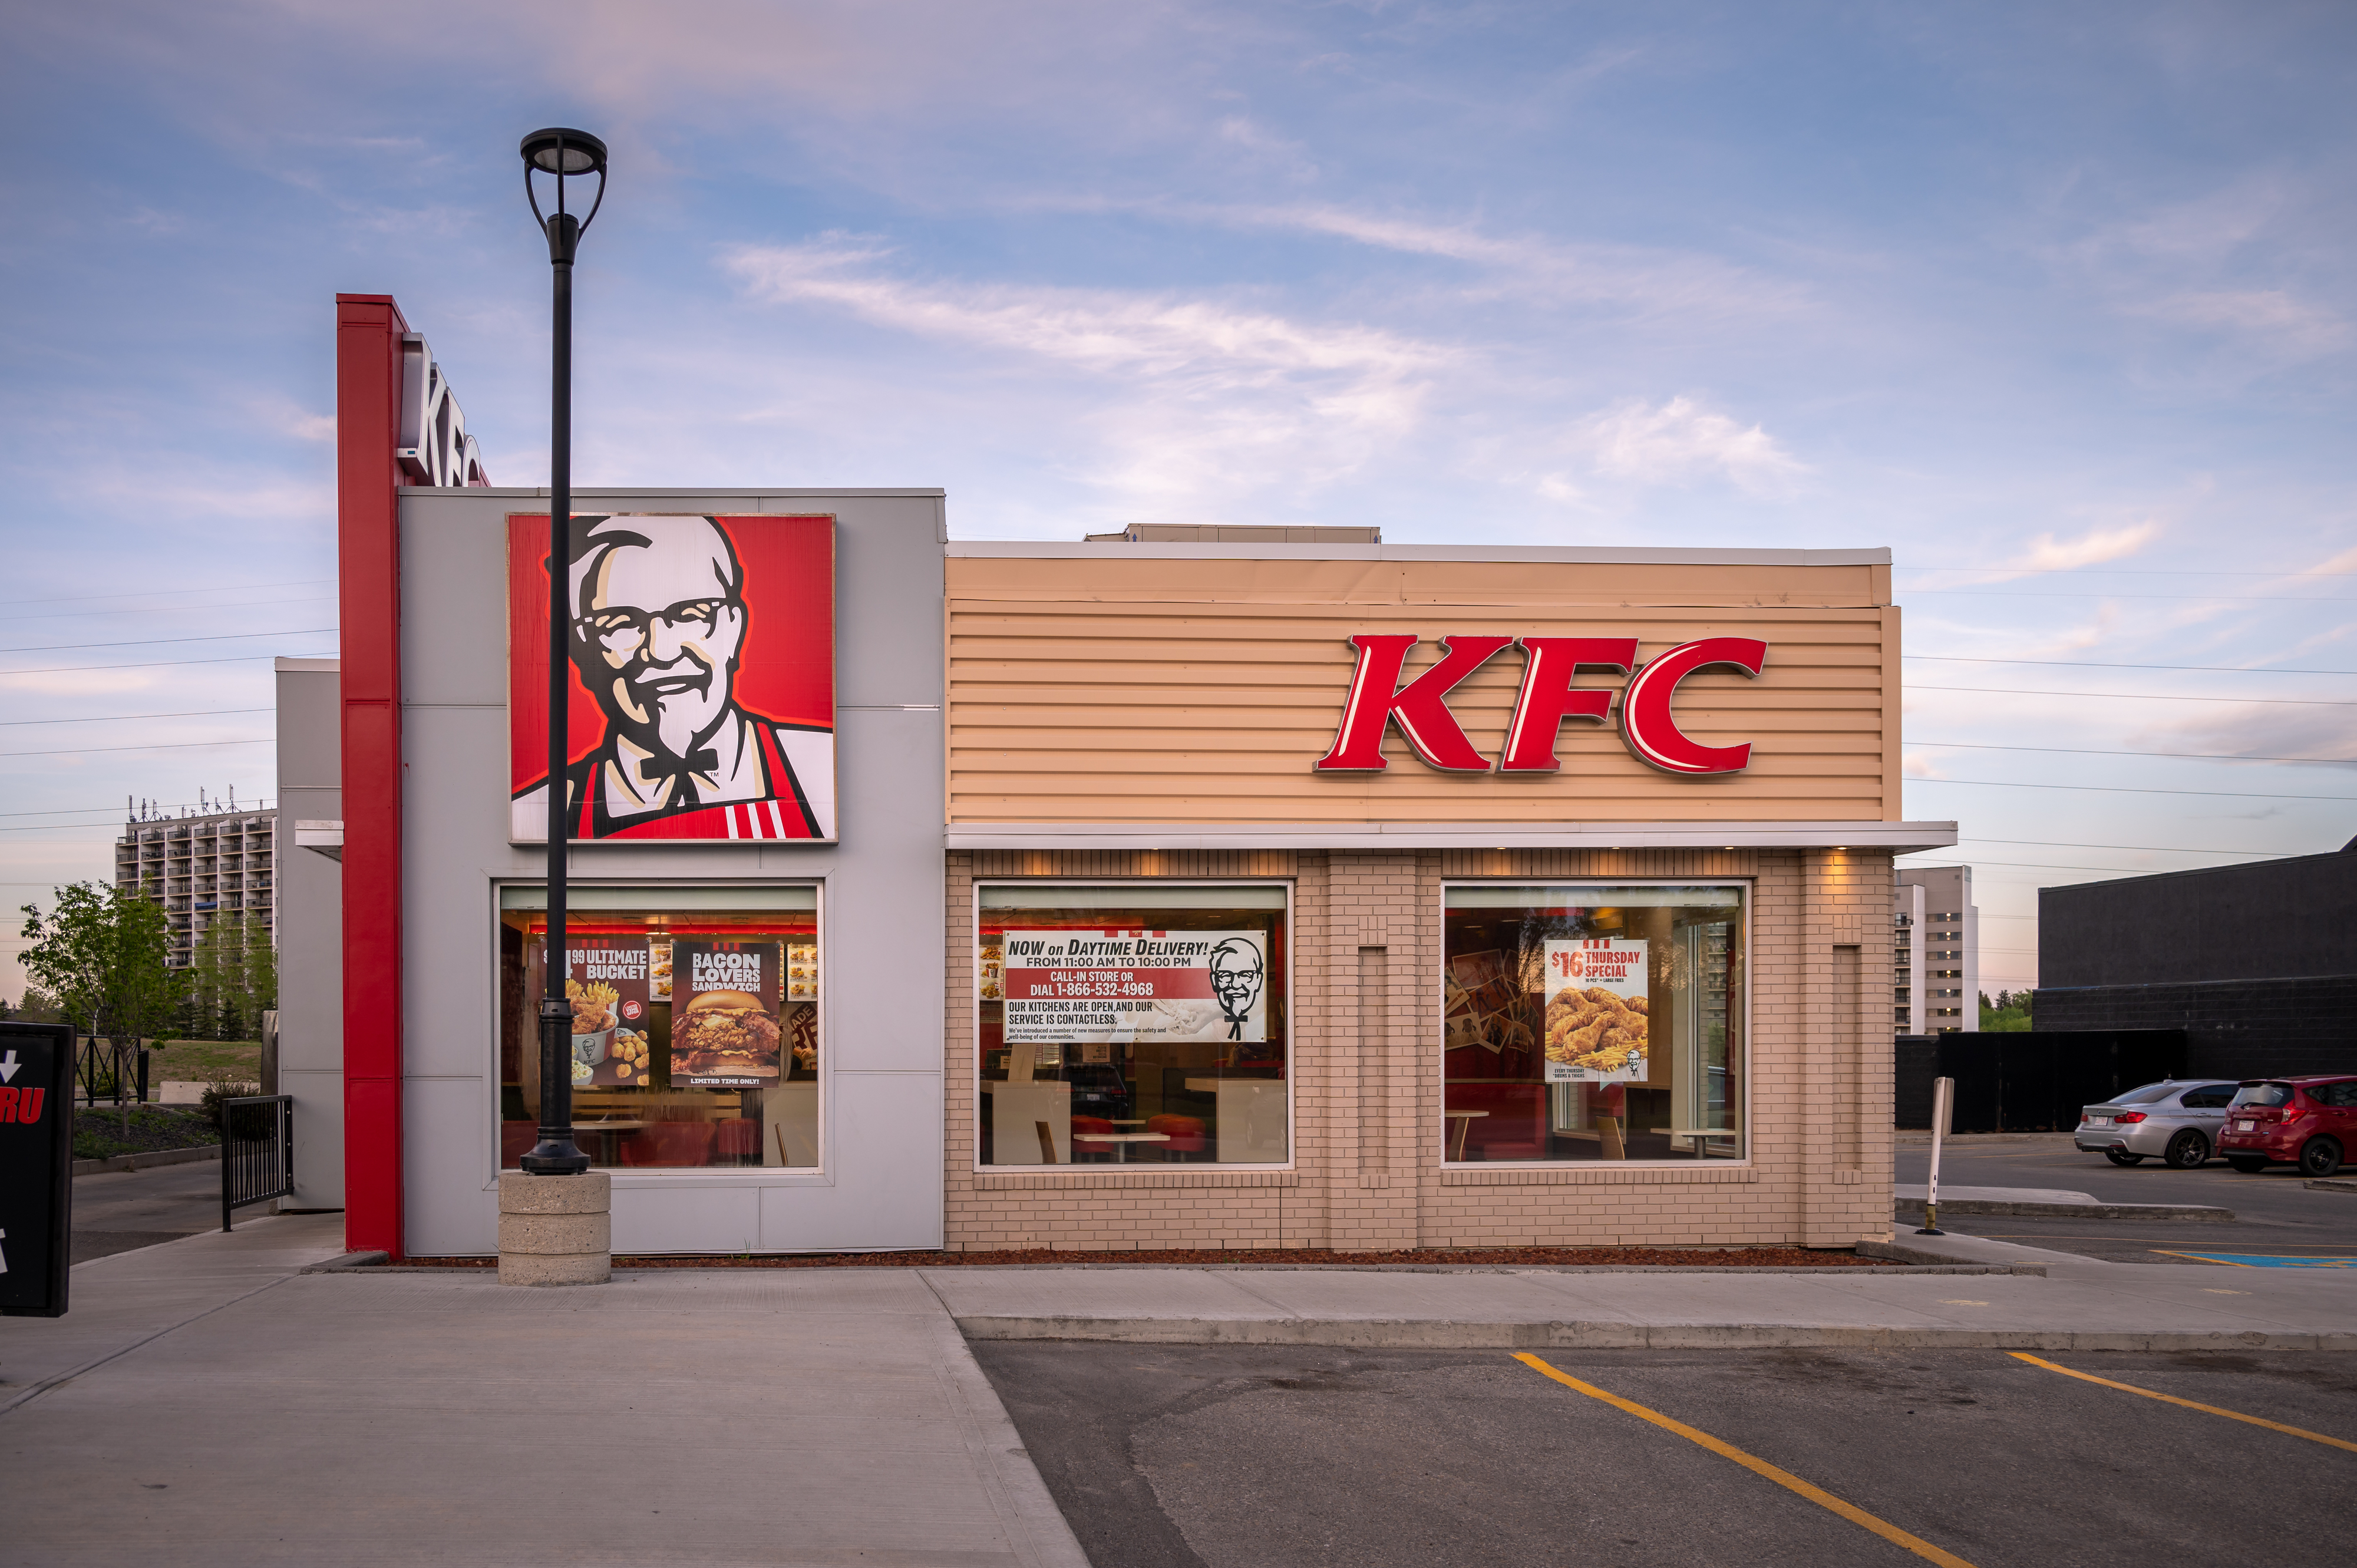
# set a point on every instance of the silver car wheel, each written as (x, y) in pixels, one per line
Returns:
(2187, 1150)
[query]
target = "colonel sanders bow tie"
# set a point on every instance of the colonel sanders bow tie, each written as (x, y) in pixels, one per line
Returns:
(684, 795)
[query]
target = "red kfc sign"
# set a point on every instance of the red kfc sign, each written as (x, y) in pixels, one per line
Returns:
(1547, 697)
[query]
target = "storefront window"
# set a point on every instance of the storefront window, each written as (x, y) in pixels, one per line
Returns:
(1132, 1025)
(1592, 1023)
(695, 1025)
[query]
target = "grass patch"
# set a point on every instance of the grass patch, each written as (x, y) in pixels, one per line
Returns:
(194, 1061)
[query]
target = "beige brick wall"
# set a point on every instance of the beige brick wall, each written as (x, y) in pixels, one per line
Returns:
(1367, 1157)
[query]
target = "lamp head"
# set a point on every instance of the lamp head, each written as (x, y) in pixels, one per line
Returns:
(562, 152)
(566, 153)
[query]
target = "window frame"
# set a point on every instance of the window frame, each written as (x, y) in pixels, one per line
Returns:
(819, 1175)
(1140, 1175)
(1748, 886)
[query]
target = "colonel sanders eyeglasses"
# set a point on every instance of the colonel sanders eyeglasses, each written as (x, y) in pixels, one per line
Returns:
(626, 634)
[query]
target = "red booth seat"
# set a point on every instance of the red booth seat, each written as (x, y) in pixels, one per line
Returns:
(1515, 1127)
(1185, 1134)
(516, 1139)
(669, 1144)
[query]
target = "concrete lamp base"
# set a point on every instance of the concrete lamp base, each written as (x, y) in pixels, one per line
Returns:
(555, 1230)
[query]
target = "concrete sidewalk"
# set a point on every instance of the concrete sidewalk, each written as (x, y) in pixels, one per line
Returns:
(204, 1402)
(208, 1402)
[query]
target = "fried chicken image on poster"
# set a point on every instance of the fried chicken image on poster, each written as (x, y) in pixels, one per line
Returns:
(724, 1019)
(702, 690)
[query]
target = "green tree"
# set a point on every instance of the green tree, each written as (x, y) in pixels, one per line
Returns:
(105, 952)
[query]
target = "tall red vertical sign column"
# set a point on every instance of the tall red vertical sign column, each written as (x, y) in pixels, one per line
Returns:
(369, 328)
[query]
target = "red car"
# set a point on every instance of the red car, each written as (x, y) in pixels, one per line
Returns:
(2307, 1121)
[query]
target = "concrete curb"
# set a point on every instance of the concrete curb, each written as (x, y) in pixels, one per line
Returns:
(346, 1263)
(2331, 1184)
(1911, 1264)
(1912, 1208)
(148, 1161)
(1403, 1333)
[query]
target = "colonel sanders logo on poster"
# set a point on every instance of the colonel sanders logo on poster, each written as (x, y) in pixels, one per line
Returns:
(703, 692)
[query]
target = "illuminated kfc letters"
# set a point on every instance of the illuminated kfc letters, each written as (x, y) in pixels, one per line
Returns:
(1547, 697)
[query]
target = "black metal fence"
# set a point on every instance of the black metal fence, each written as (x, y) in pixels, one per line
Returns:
(2030, 1080)
(110, 1070)
(257, 1151)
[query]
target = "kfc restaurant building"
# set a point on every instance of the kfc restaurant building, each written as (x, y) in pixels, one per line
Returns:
(1112, 894)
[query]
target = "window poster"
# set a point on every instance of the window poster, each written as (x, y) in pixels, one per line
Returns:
(702, 699)
(724, 1018)
(1102, 986)
(1596, 1011)
(610, 982)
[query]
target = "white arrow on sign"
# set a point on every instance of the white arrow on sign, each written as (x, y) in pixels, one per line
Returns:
(8, 1064)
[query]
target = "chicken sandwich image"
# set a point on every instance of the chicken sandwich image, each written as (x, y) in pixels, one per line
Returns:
(725, 1034)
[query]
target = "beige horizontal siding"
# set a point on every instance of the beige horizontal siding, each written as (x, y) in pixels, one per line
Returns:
(1204, 691)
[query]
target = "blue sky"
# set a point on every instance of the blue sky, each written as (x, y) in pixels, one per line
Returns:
(2056, 302)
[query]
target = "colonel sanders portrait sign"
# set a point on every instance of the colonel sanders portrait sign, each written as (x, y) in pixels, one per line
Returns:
(703, 689)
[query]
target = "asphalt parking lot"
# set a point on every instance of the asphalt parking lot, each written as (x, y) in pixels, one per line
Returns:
(2276, 1215)
(1283, 1457)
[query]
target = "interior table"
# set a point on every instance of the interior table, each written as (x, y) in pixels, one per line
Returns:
(1464, 1120)
(1122, 1140)
(609, 1137)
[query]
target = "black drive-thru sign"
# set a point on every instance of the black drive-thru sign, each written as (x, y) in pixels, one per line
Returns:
(36, 1167)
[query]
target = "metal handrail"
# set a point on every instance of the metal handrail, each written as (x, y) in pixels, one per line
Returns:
(255, 1169)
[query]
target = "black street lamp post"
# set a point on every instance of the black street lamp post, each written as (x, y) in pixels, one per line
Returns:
(563, 154)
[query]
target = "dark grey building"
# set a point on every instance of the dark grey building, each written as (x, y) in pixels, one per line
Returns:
(2257, 963)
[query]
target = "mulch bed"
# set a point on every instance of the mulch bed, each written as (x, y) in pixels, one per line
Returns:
(98, 1132)
(1514, 1257)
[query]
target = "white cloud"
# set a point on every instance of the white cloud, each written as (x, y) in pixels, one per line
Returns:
(1186, 395)
(2291, 327)
(2047, 553)
(1680, 441)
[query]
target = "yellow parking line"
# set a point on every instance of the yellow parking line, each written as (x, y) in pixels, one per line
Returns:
(2171, 1252)
(1785, 1479)
(2189, 1404)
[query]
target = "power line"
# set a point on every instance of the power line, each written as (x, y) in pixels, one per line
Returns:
(153, 642)
(164, 745)
(2083, 751)
(76, 810)
(2098, 594)
(2087, 664)
(2138, 696)
(179, 609)
(244, 587)
(184, 713)
(2124, 790)
(159, 663)
(2127, 572)
(2169, 849)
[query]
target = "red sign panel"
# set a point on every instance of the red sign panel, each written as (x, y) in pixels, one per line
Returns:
(703, 679)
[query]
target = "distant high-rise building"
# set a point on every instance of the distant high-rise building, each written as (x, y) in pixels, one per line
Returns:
(1935, 952)
(201, 868)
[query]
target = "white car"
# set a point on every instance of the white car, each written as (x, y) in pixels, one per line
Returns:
(2177, 1119)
